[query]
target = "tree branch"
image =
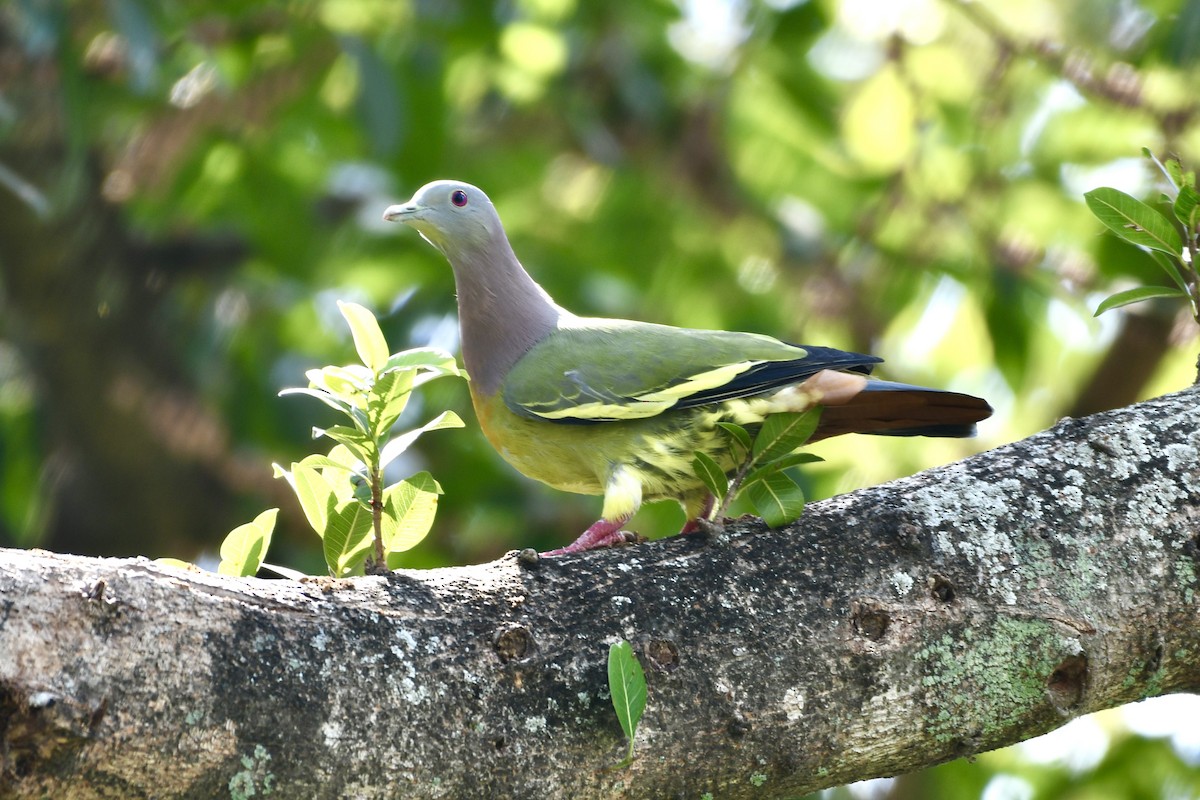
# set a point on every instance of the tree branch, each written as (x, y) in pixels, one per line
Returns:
(952, 612)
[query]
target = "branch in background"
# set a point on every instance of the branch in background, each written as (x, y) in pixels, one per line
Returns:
(1121, 84)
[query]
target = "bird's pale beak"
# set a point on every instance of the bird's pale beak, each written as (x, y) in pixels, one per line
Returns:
(397, 213)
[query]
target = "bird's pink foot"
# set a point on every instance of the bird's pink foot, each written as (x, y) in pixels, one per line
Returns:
(701, 521)
(602, 533)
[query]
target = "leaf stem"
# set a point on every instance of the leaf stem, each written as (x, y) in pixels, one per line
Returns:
(377, 565)
(735, 485)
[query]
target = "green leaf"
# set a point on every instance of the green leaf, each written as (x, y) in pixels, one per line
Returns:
(777, 498)
(1186, 205)
(1168, 266)
(408, 512)
(315, 494)
(785, 462)
(1133, 220)
(325, 397)
(350, 384)
(388, 399)
(1172, 170)
(347, 538)
(1137, 295)
(737, 433)
(368, 338)
(245, 546)
(354, 440)
(393, 448)
(360, 489)
(318, 461)
(780, 434)
(710, 474)
(429, 358)
(627, 685)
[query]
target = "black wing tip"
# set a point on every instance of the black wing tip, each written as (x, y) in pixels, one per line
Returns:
(832, 358)
(944, 431)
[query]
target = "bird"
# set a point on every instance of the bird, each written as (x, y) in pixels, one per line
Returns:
(619, 408)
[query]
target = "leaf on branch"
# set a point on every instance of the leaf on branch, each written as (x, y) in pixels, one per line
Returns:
(427, 358)
(1186, 205)
(1172, 170)
(786, 462)
(777, 498)
(388, 398)
(245, 546)
(391, 450)
(737, 433)
(315, 494)
(780, 434)
(710, 474)
(1137, 295)
(1133, 220)
(409, 509)
(368, 338)
(350, 465)
(1168, 266)
(354, 440)
(322, 395)
(627, 686)
(347, 538)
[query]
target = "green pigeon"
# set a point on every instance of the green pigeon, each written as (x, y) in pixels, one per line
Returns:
(620, 408)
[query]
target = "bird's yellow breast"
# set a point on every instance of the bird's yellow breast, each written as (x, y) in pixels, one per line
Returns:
(580, 458)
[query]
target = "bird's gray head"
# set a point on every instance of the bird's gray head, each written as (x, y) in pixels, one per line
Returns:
(451, 215)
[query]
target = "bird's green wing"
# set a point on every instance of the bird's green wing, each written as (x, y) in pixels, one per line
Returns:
(594, 370)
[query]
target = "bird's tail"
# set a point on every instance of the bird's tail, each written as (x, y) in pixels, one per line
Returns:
(897, 409)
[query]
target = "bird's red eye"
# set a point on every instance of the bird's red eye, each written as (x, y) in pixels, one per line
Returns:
(458, 197)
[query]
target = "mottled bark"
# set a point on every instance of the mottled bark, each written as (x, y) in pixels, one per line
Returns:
(952, 612)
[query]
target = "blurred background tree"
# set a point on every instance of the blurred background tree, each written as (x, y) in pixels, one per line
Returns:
(187, 188)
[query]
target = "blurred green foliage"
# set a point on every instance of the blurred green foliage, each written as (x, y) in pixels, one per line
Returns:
(186, 190)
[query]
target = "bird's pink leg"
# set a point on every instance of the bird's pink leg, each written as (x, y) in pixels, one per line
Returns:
(602, 533)
(693, 525)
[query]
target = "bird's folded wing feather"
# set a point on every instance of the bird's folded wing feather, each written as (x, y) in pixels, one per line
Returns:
(594, 370)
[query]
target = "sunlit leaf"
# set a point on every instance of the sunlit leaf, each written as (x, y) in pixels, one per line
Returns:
(389, 398)
(322, 395)
(408, 513)
(347, 538)
(349, 384)
(392, 449)
(354, 440)
(1137, 295)
(245, 546)
(1133, 220)
(429, 358)
(368, 338)
(315, 494)
(318, 461)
